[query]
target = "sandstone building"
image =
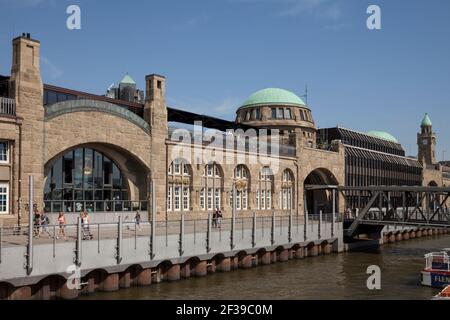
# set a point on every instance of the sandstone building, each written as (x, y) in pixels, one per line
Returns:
(110, 153)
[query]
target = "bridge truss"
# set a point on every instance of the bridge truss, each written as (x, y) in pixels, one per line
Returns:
(393, 205)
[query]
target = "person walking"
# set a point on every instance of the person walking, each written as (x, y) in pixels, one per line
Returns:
(37, 223)
(87, 235)
(45, 222)
(62, 226)
(214, 219)
(218, 218)
(137, 220)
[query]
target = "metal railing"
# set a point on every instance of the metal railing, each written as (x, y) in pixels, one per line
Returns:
(7, 106)
(54, 233)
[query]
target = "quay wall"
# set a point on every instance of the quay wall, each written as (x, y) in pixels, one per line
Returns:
(114, 263)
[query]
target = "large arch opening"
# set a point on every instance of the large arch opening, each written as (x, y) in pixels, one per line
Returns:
(97, 178)
(318, 192)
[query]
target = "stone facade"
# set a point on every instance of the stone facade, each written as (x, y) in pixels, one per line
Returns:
(141, 148)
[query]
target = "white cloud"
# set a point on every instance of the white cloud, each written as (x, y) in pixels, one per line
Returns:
(49, 68)
(324, 9)
(224, 108)
(191, 23)
(227, 106)
(27, 3)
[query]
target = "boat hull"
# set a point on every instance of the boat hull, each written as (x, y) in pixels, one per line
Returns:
(435, 278)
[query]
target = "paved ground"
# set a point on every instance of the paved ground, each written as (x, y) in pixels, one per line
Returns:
(15, 237)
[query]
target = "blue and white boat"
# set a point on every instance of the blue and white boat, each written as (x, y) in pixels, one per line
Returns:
(437, 269)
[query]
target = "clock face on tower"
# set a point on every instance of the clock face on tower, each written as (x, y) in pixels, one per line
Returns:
(425, 142)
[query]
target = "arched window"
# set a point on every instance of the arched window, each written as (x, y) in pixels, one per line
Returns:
(242, 184)
(212, 187)
(179, 180)
(265, 189)
(287, 187)
(85, 179)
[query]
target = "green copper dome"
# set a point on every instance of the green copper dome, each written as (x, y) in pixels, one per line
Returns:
(383, 135)
(273, 96)
(426, 122)
(127, 80)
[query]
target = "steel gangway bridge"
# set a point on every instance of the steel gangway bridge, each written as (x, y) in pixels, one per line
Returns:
(413, 206)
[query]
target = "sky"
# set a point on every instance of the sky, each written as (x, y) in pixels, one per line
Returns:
(215, 53)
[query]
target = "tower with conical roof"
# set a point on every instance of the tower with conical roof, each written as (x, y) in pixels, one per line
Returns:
(426, 141)
(127, 89)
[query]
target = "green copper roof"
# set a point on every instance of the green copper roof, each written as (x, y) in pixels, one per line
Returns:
(383, 135)
(426, 122)
(273, 96)
(127, 80)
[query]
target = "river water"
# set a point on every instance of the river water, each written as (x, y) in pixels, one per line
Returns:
(335, 276)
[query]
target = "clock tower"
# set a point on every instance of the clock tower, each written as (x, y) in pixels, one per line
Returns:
(426, 141)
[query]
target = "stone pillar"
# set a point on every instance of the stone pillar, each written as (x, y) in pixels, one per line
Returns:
(44, 289)
(406, 236)
(111, 282)
(201, 269)
(300, 253)
(398, 237)
(144, 278)
(224, 265)
(212, 266)
(266, 258)
(385, 239)
(157, 275)
(391, 238)
(274, 256)
(440, 232)
(90, 286)
(68, 294)
(174, 273)
(283, 256)
(21, 293)
(27, 90)
(412, 235)
(291, 254)
(125, 280)
(246, 262)
(419, 234)
(313, 251)
(4, 291)
(234, 263)
(155, 113)
(326, 249)
(425, 233)
(185, 270)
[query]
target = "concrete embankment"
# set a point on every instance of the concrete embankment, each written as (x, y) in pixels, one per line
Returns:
(392, 235)
(56, 287)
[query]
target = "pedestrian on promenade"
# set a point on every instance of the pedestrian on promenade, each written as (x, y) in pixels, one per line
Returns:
(62, 226)
(87, 235)
(214, 219)
(137, 220)
(45, 222)
(37, 223)
(348, 213)
(218, 218)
